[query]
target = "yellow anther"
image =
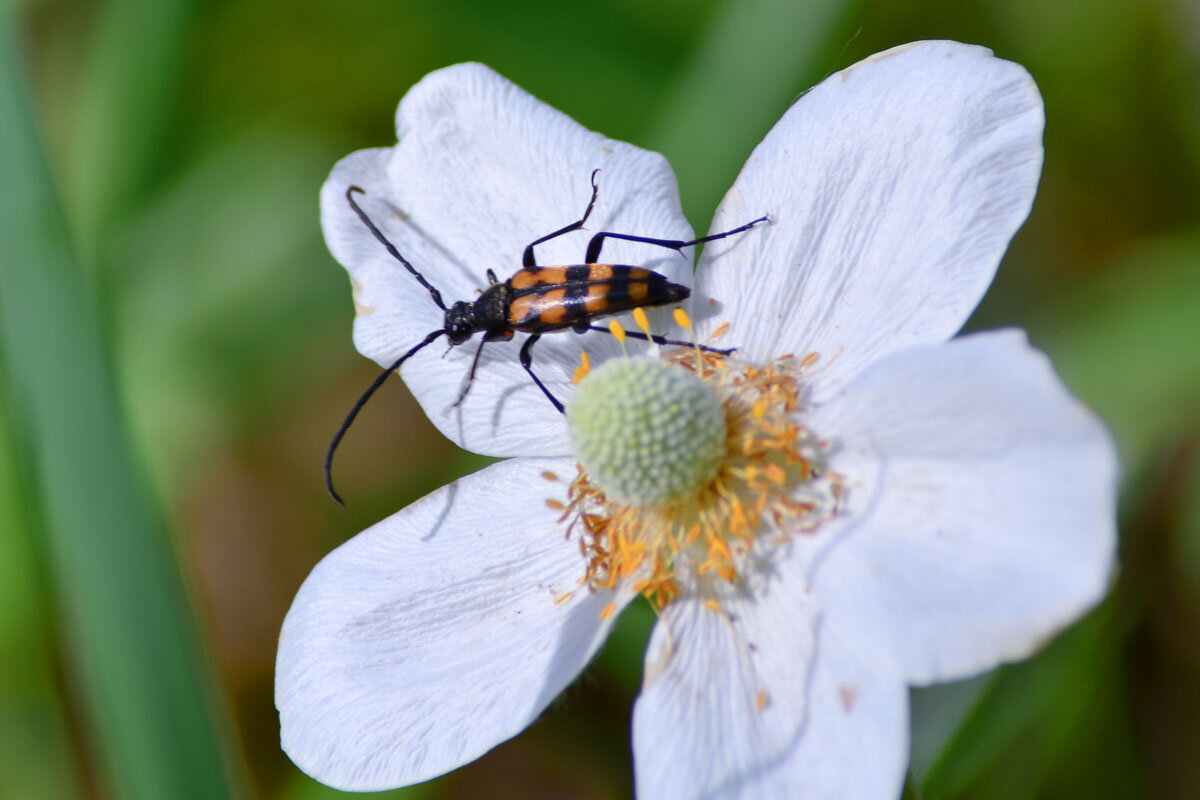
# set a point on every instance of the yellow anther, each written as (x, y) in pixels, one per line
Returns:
(639, 317)
(555, 504)
(608, 611)
(550, 476)
(618, 333)
(712, 605)
(684, 321)
(718, 548)
(585, 366)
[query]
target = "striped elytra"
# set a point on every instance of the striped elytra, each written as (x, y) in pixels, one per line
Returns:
(551, 298)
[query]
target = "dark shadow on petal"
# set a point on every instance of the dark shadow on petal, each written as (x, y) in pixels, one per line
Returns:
(574, 641)
(451, 493)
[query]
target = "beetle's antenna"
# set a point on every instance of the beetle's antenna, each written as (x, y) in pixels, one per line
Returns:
(362, 401)
(391, 248)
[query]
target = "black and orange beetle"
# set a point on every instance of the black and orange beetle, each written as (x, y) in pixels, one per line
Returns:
(537, 300)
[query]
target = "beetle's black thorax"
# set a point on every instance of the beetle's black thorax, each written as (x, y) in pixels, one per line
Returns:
(490, 312)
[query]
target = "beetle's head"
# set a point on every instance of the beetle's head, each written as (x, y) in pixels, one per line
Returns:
(458, 324)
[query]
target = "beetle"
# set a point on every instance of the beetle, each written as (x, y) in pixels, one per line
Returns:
(538, 300)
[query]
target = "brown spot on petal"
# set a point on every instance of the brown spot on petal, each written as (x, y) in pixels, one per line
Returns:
(360, 308)
(849, 696)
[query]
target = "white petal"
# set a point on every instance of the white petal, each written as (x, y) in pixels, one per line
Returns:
(834, 724)
(481, 170)
(431, 637)
(855, 739)
(981, 511)
(724, 693)
(893, 188)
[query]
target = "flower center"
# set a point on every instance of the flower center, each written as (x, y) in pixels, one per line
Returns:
(647, 432)
(695, 471)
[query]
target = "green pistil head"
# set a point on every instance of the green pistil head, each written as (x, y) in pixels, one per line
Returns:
(648, 433)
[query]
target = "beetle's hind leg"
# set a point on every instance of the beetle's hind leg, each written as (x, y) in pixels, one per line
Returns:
(662, 340)
(597, 242)
(528, 261)
(527, 363)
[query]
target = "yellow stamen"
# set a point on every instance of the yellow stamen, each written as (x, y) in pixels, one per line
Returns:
(585, 366)
(639, 318)
(618, 333)
(684, 321)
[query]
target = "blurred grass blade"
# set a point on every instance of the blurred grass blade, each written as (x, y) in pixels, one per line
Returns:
(128, 92)
(35, 746)
(129, 635)
(755, 61)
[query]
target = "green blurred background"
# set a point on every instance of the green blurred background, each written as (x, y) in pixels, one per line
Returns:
(176, 353)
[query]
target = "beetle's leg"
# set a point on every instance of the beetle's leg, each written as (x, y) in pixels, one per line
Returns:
(593, 250)
(487, 337)
(662, 340)
(527, 361)
(471, 374)
(528, 261)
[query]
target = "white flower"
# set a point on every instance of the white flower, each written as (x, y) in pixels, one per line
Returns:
(943, 505)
